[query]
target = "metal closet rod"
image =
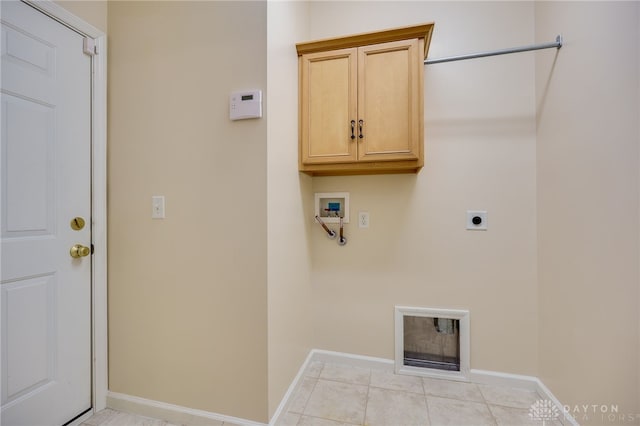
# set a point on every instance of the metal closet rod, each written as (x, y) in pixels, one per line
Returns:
(557, 44)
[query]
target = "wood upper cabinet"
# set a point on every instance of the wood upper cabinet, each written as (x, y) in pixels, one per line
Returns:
(361, 102)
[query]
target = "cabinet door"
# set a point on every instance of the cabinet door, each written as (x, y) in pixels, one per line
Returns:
(328, 105)
(389, 93)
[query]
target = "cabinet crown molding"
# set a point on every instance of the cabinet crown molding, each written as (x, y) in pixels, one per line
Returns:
(423, 31)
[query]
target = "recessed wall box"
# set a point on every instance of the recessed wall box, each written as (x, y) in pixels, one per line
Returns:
(244, 105)
(477, 220)
(331, 206)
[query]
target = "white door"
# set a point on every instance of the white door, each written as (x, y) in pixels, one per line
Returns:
(46, 183)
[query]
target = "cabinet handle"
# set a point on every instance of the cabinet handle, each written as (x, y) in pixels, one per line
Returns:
(353, 129)
(360, 123)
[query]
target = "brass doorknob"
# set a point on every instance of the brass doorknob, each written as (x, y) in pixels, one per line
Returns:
(79, 251)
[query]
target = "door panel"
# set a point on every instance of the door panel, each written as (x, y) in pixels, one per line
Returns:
(388, 101)
(28, 181)
(328, 106)
(30, 311)
(45, 96)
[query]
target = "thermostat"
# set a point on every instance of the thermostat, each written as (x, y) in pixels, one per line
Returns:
(243, 105)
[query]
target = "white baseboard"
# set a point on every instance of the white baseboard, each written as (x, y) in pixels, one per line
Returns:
(485, 377)
(170, 412)
(283, 407)
(566, 418)
(352, 360)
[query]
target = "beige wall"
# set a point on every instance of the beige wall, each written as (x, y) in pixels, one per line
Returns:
(480, 154)
(92, 11)
(187, 294)
(289, 204)
(587, 149)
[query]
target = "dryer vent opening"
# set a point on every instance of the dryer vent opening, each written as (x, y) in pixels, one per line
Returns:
(431, 342)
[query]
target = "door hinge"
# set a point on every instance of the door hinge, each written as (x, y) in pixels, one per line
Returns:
(89, 46)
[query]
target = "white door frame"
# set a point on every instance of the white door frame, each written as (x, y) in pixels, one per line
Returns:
(98, 193)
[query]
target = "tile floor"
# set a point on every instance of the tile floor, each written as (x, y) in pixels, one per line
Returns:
(110, 417)
(333, 394)
(340, 395)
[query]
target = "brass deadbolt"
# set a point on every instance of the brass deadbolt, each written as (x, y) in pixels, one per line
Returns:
(77, 223)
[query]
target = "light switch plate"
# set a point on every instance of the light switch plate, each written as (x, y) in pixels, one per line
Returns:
(157, 207)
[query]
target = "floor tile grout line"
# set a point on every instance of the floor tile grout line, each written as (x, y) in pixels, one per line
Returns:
(426, 402)
(341, 381)
(366, 405)
(427, 394)
(315, 383)
(495, 420)
(366, 401)
(456, 399)
(403, 389)
(332, 420)
(507, 406)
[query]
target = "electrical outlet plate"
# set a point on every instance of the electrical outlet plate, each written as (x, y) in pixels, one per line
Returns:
(363, 219)
(482, 215)
(330, 206)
